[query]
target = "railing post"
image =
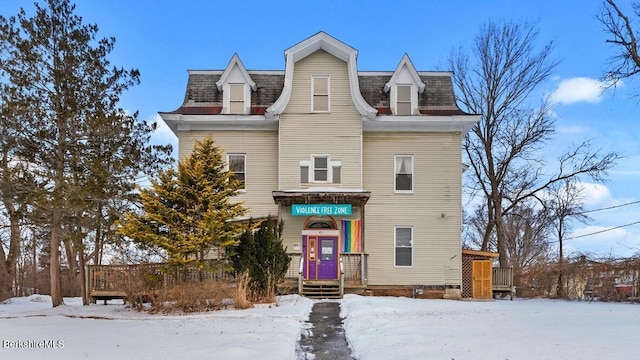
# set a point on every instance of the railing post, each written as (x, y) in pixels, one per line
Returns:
(341, 279)
(300, 273)
(363, 267)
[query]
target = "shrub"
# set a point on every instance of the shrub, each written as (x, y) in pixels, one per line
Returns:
(262, 256)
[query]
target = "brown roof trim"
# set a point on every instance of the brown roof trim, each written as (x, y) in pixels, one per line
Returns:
(287, 198)
(480, 253)
(211, 110)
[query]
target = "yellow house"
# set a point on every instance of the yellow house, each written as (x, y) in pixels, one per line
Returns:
(364, 168)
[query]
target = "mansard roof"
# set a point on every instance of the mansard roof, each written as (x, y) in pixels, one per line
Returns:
(271, 90)
(203, 97)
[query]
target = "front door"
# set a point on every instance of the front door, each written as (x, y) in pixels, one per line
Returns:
(321, 257)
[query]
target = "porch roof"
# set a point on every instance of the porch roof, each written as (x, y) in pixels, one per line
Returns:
(480, 253)
(356, 197)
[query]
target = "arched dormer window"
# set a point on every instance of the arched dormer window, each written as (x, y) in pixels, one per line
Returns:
(236, 86)
(403, 88)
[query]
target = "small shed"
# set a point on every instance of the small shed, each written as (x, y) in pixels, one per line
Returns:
(477, 282)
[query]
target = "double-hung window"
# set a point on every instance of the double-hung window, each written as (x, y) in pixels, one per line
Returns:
(403, 245)
(236, 98)
(237, 165)
(403, 174)
(320, 168)
(403, 99)
(320, 93)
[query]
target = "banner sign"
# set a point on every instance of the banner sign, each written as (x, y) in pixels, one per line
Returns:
(320, 209)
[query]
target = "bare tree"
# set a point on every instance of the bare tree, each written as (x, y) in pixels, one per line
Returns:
(504, 150)
(527, 227)
(626, 61)
(565, 203)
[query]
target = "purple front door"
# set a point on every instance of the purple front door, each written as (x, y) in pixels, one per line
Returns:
(321, 257)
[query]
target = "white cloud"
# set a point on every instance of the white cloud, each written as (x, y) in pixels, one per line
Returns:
(595, 194)
(579, 89)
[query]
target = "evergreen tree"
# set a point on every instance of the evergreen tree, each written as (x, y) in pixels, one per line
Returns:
(261, 254)
(57, 80)
(189, 211)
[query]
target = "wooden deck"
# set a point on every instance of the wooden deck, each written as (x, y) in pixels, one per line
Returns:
(502, 281)
(107, 282)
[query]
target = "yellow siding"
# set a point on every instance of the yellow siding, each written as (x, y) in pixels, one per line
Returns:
(261, 149)
(337, 133)
(437, 190)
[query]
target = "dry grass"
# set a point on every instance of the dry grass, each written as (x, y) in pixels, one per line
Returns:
(186, 297)
(240, 300)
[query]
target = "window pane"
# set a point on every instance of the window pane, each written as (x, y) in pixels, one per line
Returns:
(403, 257)
(403, 182)
(320, 162)
(236, 107)
(403, 237)
(403, 93)
(327, 250)
(320, 85)
(336, 175)
(304, 174)
(403, 108)
(320, 175)
(239, 176)
(404, 165)
(320, 103)
(236, 163)
(236, 92)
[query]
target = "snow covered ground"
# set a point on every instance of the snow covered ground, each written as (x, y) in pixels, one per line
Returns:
(376, 328)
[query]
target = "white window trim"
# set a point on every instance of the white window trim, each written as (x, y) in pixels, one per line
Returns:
(395, 246)
(313, 77)
(413, 176)
(244, 155)
(312, 169)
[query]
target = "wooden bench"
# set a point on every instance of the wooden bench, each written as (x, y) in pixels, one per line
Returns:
(106, 295)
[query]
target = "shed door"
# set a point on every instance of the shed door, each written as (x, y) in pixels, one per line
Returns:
(481, 275)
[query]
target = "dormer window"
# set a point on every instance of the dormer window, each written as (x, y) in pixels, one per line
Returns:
(236, 99)
(403, 89)
(236, 86)
(403, 100)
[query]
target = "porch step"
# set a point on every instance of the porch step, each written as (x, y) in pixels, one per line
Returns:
(321, 289)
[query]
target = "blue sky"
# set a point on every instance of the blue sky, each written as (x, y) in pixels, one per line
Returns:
(163, 39)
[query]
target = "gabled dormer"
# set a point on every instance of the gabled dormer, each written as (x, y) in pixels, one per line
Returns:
(321, 83)
(403, 88)
(236, 86)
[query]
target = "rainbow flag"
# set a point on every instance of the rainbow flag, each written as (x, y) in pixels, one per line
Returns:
(351, 236)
